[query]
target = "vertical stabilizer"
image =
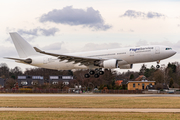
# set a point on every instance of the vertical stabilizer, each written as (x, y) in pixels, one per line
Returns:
(23, 48)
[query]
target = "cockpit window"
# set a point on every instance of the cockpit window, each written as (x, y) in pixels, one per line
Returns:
(168, 48)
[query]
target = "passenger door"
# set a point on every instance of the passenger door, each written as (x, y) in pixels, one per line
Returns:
(157, 50)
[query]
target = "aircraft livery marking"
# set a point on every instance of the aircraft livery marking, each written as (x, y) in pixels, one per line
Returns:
(138, 49)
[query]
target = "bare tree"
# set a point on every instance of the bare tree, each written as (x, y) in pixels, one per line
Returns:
(158, 76)
(15, 72)
(4, 70)
(10, 83)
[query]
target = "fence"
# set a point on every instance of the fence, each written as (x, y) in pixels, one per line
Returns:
(96, 91)
(119, 91)
(69, 91)
(34, 91)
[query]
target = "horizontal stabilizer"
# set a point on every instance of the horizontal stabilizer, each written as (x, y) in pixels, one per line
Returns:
(28, 60)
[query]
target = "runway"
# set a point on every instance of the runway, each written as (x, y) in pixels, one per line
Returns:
(94, 110)
(89, 95)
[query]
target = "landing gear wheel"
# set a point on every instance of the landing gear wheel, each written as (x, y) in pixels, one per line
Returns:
(91, 72)
(96, 75)
(86, 75)
(157, 66)
(101, 72)
(96, 70)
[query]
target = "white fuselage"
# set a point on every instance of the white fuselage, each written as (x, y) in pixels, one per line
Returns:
(130, 55)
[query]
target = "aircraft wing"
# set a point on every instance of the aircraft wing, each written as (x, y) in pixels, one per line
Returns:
(70, 58)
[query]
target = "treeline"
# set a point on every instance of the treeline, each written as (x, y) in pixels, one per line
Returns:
(169, 74)
(165, 75)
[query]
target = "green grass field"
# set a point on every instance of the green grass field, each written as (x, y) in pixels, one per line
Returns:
(87, 116)
(91, 102)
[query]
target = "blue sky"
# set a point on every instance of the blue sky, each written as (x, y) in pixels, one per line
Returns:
(64, 26)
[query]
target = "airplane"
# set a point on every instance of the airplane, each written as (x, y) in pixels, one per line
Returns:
(95, 61)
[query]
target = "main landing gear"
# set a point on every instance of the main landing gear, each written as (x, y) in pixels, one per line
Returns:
(96, 73)
(158, 66)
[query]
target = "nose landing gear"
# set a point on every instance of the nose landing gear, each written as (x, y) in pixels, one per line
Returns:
(158, 66)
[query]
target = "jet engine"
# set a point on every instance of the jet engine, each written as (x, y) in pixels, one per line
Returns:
(112, 63)
(127, 66)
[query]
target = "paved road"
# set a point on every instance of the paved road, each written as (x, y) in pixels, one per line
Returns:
(89, 95)
(93, 110)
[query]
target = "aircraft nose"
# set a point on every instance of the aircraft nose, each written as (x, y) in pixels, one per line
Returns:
(173, 52)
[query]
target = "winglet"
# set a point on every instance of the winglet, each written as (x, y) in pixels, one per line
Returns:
(43, 52)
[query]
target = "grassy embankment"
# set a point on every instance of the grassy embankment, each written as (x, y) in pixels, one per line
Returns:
(86, 116)
(91, 102)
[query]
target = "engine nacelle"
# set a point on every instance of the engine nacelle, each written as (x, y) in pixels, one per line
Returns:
(112, 63)
(127, 66)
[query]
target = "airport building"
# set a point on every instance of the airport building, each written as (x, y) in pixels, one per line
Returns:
(139, 85)
(29, 81)
(60, 79)
(2, 82)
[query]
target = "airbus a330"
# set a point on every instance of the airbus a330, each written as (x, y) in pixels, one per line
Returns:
(122, 58)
